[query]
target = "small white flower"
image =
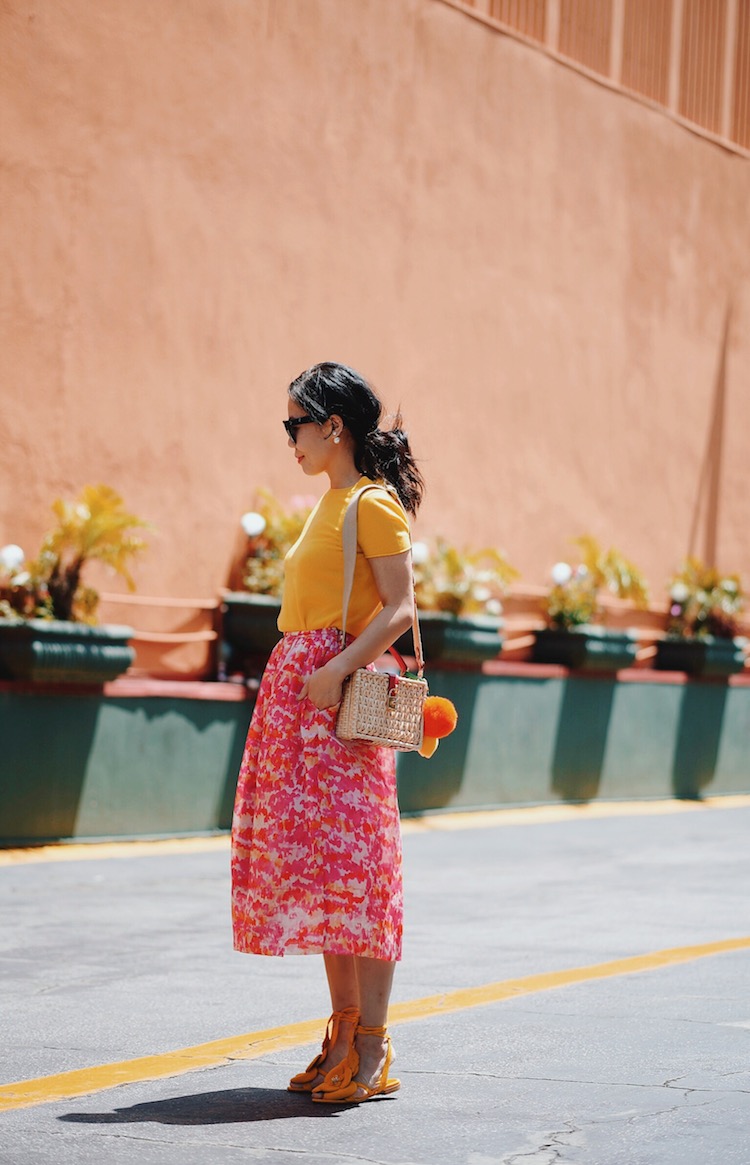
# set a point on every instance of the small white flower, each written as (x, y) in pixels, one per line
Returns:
(729, 585)
(680, 592)
(561, 573)
(11, 557)
(253, 523)
(22, 579)
(420, 552)
(482, 594)
(493, 607)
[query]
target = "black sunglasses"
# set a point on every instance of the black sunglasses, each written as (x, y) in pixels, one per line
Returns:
(293, 423)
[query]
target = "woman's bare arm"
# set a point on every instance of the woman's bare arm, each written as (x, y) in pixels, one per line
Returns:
(393, 579)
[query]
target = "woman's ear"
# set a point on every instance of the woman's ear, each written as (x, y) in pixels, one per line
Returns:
(337, 427)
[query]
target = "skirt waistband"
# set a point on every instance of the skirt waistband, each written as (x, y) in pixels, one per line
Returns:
(318, 634)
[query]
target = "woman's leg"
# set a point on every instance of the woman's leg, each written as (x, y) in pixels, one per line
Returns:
(343, 985)
(375, 978)
(365, 984)
(343, 982)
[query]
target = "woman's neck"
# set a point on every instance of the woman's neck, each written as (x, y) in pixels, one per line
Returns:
(343, 477)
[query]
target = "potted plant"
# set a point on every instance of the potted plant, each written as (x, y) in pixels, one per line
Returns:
(573, 636)
(48, 628)
(702, 622)
(459, 595)
(250, 614)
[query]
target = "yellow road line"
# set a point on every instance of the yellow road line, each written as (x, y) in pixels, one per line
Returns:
(431, 822)
(90, 850)
(84, 1081)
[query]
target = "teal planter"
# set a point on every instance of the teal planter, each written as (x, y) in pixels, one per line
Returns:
(585, 648)
(50, 651)
(462, 639)
(701, 657)
(249, 630)
(136, 759)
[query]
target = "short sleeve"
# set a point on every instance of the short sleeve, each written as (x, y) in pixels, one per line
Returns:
(382, 525)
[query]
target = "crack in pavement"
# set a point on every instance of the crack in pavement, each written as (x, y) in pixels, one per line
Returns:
(255, 1153)
(671, 1083)
(550, 1149)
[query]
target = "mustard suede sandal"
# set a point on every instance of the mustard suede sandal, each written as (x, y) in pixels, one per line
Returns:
(340, 1080)
(355, 1091)
(335, 1077)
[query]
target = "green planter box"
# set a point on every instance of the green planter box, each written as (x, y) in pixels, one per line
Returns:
(49, 651)
(249, 630)
(455, 638)
(701, 657)
(585, 648)
(133, 759)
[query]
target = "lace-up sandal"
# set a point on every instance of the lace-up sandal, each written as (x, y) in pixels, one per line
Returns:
(355, 1091)
(335, 1077)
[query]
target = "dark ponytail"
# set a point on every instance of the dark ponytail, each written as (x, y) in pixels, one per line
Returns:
(381, 454)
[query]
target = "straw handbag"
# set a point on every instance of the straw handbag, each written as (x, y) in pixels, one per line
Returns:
(380, 708)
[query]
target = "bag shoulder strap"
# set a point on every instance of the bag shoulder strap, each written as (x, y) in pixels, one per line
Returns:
(349, 537)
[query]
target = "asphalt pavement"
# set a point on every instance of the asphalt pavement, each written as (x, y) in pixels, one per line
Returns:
(526, 1030)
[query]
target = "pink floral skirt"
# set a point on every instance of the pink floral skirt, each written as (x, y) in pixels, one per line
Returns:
(316, 839)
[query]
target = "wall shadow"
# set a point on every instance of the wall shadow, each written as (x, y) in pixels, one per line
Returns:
(708, 496)
(581, 739)
(698, 740)
(434, 783)
(46, 746)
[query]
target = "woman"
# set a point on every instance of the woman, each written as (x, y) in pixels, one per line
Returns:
(316, 845)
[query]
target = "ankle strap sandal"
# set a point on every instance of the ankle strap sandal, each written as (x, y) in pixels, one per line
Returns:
(356, 1091)
(313, 1079)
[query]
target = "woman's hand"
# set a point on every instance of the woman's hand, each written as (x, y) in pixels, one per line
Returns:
(323, 687)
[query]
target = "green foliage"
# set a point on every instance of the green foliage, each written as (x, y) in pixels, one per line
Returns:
(611, 570)
(94, 527)
(704, 602)
(574, 597)
(280, 528)
(461, 582)
(24, 595)
(571, 604)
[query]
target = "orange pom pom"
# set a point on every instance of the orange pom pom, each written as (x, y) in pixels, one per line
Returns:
(429, 747)
(440, 717)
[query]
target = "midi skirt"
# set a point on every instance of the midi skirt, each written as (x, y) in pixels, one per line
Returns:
(316, 839)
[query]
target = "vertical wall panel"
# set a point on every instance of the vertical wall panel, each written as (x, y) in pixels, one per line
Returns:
(527, 16)
(643, 63)
(741, 104)
(585, 32)
(702, 63)
(645, 57)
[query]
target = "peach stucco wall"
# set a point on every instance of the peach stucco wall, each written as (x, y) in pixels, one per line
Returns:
(202, 197)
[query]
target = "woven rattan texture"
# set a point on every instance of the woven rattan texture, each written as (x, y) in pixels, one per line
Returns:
(384, 709)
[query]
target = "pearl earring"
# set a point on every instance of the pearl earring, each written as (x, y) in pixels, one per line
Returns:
(336, 439)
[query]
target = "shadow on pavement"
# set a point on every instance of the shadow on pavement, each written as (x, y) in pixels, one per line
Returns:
(234, 1105)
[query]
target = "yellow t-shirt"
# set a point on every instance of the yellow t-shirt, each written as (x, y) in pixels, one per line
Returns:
(314, 567)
